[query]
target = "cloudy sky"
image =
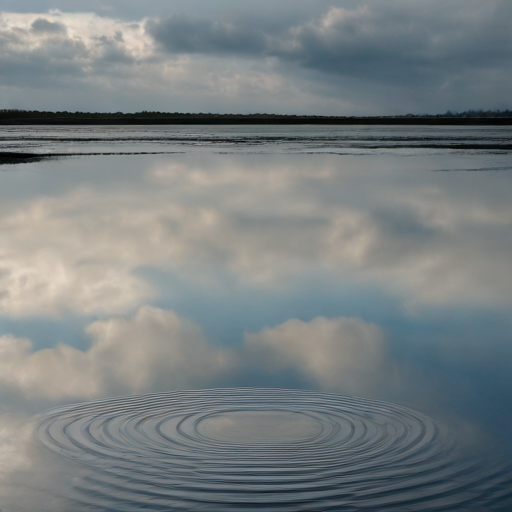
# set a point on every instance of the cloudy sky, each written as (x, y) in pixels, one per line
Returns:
(292, 56)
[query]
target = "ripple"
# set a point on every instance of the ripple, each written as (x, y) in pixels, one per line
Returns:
(266, 449)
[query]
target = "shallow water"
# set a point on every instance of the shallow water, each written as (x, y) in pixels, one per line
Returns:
(252, 139)
(359, 261)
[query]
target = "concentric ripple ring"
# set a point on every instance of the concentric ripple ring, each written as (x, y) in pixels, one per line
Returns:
(276, 450)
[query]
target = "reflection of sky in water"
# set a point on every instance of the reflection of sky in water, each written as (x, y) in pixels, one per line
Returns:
(360, 274)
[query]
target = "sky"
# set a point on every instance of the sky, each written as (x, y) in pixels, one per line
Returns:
(292, 56)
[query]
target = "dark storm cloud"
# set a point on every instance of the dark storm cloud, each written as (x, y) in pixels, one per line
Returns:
(401, 42)
(392, 42)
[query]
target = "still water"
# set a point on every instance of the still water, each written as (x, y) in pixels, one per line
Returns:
(295, 318)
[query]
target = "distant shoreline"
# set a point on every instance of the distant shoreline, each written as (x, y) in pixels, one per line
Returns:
(51, 118)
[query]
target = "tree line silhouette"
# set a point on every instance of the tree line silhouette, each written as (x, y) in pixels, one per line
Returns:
(18, 116)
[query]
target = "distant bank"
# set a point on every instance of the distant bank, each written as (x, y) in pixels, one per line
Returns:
(23, 117)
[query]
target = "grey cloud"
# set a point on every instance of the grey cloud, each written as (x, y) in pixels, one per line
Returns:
(135, 9)
(53, 63)
(338, 57)
(181, 34)
(44, 55)
(43, 25)
(112, 50)
(393, 43)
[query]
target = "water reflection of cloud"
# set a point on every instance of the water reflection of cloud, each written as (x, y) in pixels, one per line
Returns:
(434, 241)
(343, 354)
(32, 478)
(236, 228)
(154, 349)
(158, 349)
(16, 431)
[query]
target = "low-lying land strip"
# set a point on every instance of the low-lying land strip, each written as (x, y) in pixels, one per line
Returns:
(32, 117)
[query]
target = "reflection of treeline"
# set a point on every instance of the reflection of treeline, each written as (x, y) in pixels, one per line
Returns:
(15, 116)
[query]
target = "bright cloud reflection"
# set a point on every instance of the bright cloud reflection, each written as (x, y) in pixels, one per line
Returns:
(431, 239)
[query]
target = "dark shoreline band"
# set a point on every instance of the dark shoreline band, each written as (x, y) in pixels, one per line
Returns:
(14, 118)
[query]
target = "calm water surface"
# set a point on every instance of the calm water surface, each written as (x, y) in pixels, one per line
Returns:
(278, 272)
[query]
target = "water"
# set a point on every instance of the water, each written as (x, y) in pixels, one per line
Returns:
(280, 272)
(265, 449)
(250, 139)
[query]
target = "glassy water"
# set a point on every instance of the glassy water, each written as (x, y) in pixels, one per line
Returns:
(265, 449)
(280, 272)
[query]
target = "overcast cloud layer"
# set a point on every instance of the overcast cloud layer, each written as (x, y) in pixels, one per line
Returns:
(334, 58)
